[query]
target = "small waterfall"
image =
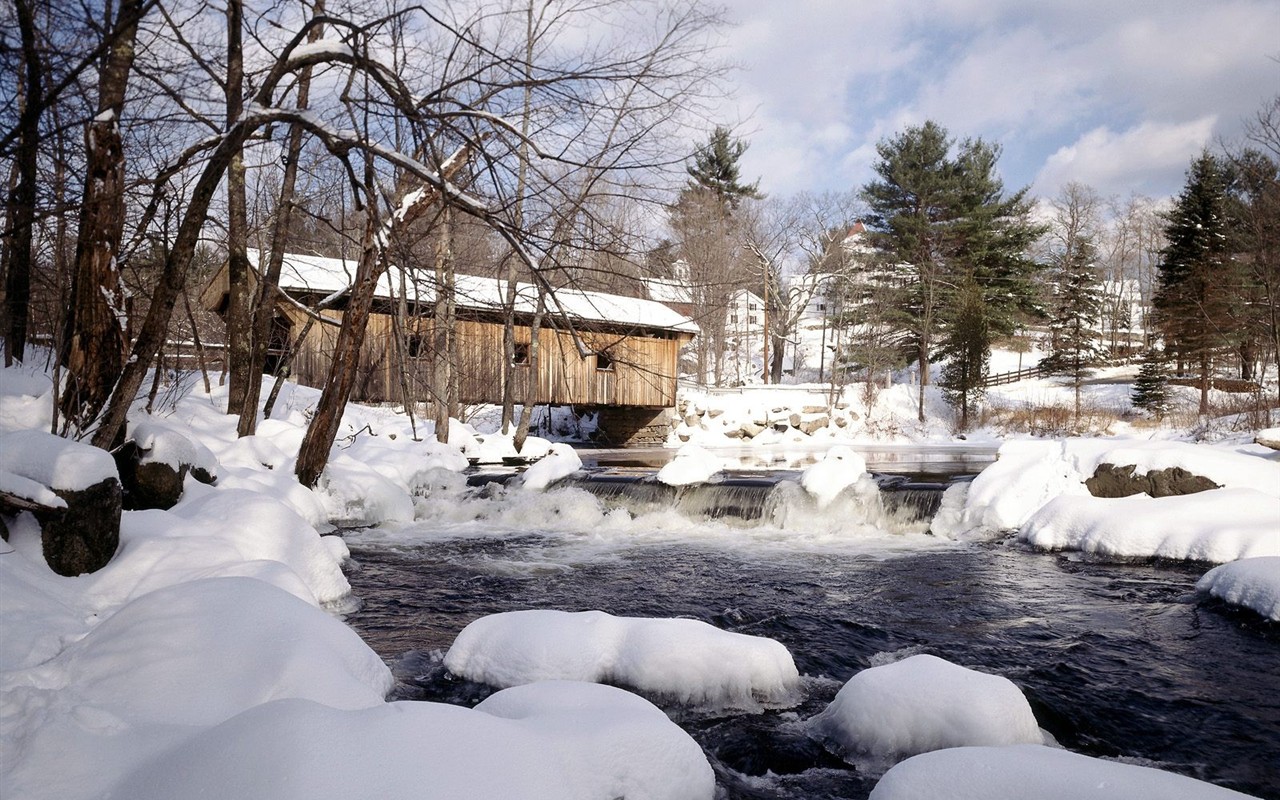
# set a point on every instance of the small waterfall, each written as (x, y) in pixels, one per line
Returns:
(753, 500)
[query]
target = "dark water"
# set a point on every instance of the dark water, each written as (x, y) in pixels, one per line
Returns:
(1116, 660)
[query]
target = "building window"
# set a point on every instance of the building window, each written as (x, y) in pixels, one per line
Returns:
(521, 357)
(417, 345)
(822, 306)
(604, 363)
(733, 319)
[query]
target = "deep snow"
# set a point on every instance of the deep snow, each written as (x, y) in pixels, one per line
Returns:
(205, 657)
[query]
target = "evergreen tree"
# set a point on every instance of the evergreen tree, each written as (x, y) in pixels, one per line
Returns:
(940, 217)
(1077, 306)
(715, 169)
(966, 349)
(1151, 389)
(1198, 284)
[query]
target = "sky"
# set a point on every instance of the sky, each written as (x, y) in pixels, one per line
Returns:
(1116, 94)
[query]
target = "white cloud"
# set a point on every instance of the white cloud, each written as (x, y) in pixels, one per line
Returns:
(1060, 84)
(1139, 159)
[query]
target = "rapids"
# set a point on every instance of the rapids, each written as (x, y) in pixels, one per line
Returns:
(1118, 660)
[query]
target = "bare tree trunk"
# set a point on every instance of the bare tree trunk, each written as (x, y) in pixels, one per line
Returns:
(1204, 382)
(531, 396)
(239, 313)
(314, 452)
(509, 299)
(442, 331)
(20, 218)
(398, 319)
(93, 346)
(264, 305)
(195, 337)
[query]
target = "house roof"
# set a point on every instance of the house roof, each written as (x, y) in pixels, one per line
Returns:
(314, 274)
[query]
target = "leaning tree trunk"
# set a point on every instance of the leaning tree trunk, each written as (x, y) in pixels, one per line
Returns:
(314, 453)
(93, 346)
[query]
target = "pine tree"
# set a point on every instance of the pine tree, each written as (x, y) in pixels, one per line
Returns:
(1197, 289)
(715, 169)
(940, 214)
(1151, 389)
(1077, 306)
(966, 349)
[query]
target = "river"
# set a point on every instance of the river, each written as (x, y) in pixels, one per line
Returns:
(1117, 660)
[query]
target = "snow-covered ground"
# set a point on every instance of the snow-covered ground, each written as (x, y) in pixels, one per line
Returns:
(205, 659)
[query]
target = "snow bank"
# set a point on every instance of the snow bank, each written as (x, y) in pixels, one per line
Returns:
(1045, 773)
(1215, 526)
(838, 470)
(26, 399)
(924, 703)
(685, 660)
(211, 531)
(542, 742)
(215, 648)
(155, 672)
(53, 461)
(1029, 474)
(1253, 583)
(691, 464)
(561, 461)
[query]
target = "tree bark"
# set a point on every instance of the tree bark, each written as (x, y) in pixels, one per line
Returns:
(22, 199)
(93, 346)
(442, 330)
(313, 456)
(264, 305)
(239, 297)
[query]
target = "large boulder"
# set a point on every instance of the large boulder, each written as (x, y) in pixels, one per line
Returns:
(154, 464)
(1110, 480)
(83, 536)
(80, 529)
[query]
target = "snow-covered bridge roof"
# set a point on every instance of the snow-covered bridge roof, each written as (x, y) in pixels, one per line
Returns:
(314, 274)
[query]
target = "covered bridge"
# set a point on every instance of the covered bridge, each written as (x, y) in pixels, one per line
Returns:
(629, 374)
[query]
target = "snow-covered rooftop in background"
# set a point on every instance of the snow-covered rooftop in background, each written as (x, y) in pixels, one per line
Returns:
(329, 275)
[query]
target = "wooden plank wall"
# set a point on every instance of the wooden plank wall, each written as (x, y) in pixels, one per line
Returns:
(643, 371)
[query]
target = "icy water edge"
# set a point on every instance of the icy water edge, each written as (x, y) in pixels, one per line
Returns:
(1118, 660)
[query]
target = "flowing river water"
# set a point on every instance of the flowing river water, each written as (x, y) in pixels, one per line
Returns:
(1120, 661)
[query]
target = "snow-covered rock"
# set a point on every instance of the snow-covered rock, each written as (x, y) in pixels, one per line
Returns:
(683, 660)
(924, 703)
(555, 741)
(561, 461)
(60, 464)
(1029, 474)
(1045, 773)
(1253, 583)
(691, 464)
(838, 470)
(1216, 526)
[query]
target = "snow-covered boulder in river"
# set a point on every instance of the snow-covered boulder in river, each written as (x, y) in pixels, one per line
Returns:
(691, 464)
(1045, 773)
(924, 703)
(838, 470)
(683, 660)
(1253, 583)
(561, 461)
